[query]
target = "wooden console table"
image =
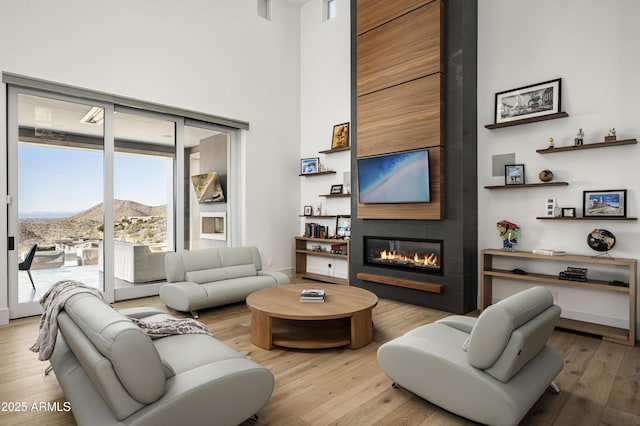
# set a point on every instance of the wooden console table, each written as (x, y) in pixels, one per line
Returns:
(610, 334)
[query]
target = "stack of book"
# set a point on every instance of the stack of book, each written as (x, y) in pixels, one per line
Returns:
(339, 248)
(314, 230)
(312, 295)
(574, 274)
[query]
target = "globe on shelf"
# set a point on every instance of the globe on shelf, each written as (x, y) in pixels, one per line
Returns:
(601, 240)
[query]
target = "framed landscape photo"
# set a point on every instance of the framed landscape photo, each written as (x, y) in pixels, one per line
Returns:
(530, 101)
(340, 137)
(336, 189)
(568, 212)
(309, 165)
(514, 174)
(609, 203)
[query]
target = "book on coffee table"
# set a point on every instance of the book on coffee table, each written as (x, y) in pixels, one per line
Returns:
(312, 295)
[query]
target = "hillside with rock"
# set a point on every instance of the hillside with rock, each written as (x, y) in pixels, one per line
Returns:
(133, 222)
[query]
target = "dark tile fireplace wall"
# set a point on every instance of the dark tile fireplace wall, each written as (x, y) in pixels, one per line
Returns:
(458, 229)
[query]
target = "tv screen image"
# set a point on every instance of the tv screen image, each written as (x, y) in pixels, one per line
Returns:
(394, 178)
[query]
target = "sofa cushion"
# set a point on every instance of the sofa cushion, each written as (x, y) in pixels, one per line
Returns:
(202, 350)
(219, 274)
(232, 256)
(131, 352)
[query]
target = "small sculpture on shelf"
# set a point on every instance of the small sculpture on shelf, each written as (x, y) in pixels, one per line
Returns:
(551, 143)
(579, 138)
(611, 136)
(510, 232)
(545, 175)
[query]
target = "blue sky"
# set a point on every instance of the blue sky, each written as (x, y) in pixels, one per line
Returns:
(71, 180)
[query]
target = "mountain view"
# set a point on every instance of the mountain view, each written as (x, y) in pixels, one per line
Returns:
(89, 225)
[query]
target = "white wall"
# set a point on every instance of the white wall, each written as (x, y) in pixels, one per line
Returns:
(217, 57)
(593, 46)
(325, 101)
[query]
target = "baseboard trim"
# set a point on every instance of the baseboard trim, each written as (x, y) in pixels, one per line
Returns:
(4, 316)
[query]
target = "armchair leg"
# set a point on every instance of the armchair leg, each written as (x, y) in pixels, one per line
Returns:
(395, 385)
(554, 388)
(254, 417)
(48, 370)
(31, 278)
(194, 314)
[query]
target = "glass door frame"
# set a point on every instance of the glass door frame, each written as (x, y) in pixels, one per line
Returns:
(152, 289)
(17, 309)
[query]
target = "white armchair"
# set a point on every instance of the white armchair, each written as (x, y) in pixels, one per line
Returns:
(491, 369)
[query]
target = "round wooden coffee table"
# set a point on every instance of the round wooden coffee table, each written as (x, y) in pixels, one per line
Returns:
(279, 318)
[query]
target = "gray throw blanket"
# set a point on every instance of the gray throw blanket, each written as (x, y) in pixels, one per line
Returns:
(170, 327)
(53, 301)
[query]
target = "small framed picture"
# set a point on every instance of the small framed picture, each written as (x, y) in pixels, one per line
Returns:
(609, 203)
(309, 165)
(568, 212)
(343, 226)
(550, 207)
(340, 137)
(514, 174)
(308, 211)
(336, 189)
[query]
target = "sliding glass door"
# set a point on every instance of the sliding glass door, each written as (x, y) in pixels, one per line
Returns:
(99, 193)
(56, 173)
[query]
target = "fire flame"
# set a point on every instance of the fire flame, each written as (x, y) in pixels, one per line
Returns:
(430, 259)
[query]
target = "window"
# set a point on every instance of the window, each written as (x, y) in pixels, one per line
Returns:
(264, 9)
(329, 9)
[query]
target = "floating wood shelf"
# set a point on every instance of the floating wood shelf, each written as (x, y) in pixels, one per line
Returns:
(328, 172)
(527, 120)
(400, 282)
(318, 216)
(334, 195)
(587, 146)
(331, 151)
(585, 218)
(527, 185)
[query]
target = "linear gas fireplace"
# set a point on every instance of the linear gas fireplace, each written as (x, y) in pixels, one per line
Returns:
(417, 255)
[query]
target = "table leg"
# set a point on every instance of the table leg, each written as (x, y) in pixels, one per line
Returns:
(361, 329)
(261, 330)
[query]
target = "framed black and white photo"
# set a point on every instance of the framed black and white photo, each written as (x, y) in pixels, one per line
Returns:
(530, 101)
(336, 189)
(308, 211)
(568, 212)
(608, 203)
(514, 174)
(309, 165)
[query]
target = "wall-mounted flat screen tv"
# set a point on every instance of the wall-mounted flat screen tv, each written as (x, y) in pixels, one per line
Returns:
(394, 178)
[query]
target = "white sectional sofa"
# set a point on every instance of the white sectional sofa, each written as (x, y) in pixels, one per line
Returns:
(212, 277)
(113, 373)
(136, 263)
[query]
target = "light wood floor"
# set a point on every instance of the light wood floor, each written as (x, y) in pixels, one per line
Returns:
(599, 384)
